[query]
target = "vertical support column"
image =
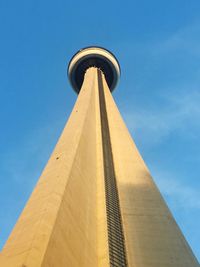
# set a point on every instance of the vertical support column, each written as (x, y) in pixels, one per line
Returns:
(116, 242)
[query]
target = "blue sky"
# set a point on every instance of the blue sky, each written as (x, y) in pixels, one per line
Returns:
(158, 46)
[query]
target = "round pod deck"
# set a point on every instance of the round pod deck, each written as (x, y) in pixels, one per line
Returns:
(93, 57)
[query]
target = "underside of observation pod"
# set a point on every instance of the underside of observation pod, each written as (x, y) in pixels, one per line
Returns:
(93, 57)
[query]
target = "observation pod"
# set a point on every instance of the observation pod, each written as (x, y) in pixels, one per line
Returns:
(93, 57)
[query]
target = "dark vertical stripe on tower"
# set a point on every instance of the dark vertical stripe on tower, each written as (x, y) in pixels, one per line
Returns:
(116, 244)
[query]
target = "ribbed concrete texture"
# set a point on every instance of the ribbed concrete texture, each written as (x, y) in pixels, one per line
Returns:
(95, 203)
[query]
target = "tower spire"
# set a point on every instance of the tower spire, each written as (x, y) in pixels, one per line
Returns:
(95, 203)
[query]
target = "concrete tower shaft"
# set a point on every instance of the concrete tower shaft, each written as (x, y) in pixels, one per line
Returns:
(95, 203)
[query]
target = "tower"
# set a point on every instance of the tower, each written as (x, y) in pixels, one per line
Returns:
(95, 203)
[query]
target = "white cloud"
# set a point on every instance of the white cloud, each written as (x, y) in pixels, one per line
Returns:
(180, 113)
(178, 108)
(180, 194)
(24, 163)
(185, 39)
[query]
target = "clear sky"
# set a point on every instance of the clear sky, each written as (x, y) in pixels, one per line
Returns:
(158, 46)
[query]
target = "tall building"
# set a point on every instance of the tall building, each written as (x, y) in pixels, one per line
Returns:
(95, 203)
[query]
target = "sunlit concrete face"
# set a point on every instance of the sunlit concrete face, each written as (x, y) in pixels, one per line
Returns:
(94, 190)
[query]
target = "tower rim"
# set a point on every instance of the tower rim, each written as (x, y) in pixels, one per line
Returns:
(93, 56)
